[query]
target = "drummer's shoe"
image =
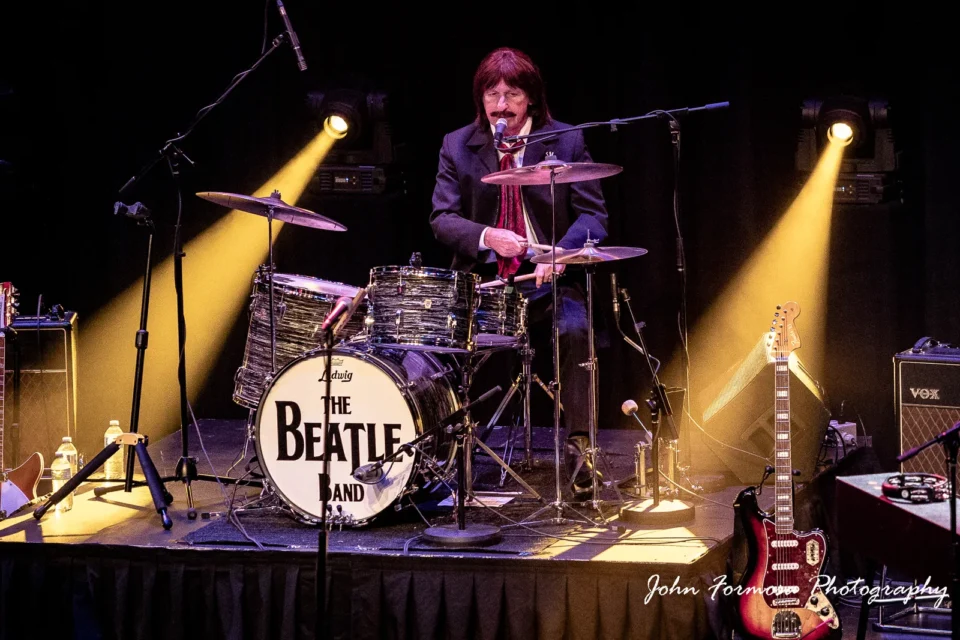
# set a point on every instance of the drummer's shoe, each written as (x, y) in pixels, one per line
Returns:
(583, 484)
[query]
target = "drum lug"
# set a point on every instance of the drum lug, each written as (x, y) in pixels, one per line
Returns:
(398, 321)
(451, 324)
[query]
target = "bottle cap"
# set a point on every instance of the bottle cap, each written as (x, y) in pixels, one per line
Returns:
(114, 422)
(67, 439)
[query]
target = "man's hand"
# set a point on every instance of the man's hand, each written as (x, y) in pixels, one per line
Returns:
(505, 243)
(544, 272)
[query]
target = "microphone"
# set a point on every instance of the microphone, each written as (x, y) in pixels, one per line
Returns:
(369, 473)
(294, 42)
(616, 299)
(498, 133)
(343, 303)
(629, 408)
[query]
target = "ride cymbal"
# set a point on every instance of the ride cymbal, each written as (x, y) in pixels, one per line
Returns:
(280, 209)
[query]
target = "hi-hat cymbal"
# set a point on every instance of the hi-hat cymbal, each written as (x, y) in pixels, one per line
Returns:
(281, 210)
(563, 172)
(589, 254)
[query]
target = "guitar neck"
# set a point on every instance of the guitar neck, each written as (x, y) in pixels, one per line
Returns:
(3, 377)
(784, 466)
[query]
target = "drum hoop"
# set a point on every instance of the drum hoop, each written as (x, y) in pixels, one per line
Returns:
(293, 287)
(409, 398)
(449, 274)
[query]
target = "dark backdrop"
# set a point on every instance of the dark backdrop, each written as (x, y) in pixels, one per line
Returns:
(99, 88)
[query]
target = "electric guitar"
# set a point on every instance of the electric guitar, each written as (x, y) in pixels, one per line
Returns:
(19, 486)
(778, 596)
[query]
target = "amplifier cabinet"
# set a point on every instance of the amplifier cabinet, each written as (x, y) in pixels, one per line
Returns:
(927, 402)
(47, 355)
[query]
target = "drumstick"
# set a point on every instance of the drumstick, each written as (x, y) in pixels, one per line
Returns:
(543, 247)
(500, 283)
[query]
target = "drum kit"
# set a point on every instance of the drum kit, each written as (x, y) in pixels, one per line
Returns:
(400, 368)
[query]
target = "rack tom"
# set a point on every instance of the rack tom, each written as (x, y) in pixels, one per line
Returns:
(501, 317)
(422, 308)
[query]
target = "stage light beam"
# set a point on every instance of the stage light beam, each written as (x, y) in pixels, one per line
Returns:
(218, 270)
(790, 264)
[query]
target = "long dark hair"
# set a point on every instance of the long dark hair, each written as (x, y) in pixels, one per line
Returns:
(516, 69)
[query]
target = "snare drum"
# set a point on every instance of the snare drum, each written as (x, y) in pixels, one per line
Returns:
(422, 308)
(501, 317)
(300, 306)
(382, 399)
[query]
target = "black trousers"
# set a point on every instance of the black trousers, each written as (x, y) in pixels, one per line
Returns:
(503, 366)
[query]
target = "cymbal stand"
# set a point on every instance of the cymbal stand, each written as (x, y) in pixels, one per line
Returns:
(591, 456)
(558, 506)
(470, 440)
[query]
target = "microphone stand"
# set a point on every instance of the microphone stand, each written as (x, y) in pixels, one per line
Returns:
(653, 511)
(322, 627)
(656, 113)
(187, 465)
(133, 439)
(950, 439)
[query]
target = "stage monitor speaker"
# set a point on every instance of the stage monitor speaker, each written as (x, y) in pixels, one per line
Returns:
(740, 426)
(927, 402)
(47, 354)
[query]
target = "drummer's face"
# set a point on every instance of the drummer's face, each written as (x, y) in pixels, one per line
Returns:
(504, 101)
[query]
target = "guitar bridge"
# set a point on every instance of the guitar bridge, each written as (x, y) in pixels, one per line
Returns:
(786, 624)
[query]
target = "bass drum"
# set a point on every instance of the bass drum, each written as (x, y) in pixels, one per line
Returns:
(381, 400)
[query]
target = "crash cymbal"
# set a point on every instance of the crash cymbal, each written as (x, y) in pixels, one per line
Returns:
(564, 172)
(589, 254)
(281, 210)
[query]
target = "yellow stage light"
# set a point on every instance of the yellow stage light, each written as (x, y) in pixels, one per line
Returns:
(335, 126)
(840, 132)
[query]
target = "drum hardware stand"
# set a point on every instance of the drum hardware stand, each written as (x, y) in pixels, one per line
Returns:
(136, 441)
(470, 440)
(558, 506)
(591, 456)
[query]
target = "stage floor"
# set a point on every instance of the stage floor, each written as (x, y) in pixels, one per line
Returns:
(632, 581)
(129, 518)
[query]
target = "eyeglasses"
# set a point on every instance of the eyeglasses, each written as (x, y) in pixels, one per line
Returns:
(511, 96)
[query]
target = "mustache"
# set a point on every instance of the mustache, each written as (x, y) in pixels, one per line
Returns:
(503, 114)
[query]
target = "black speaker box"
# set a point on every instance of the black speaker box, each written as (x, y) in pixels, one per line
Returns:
(927, 388)
(47, 410)
(740, 426)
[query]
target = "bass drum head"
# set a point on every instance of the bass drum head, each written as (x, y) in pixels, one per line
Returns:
(370, 417)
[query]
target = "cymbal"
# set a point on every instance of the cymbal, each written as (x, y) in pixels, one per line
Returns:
(281, 210)
(589, 254)
(563, 172)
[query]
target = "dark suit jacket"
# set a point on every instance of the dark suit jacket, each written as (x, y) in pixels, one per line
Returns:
(463, 205)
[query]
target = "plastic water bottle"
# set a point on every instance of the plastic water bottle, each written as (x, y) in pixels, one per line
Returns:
(70, 453)
(115, 466)
(61, 472)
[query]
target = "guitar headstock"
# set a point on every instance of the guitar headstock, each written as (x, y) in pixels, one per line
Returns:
(783, 337)
(9, 301)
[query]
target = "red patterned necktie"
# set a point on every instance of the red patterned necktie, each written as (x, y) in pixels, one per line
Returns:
(511, 212)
